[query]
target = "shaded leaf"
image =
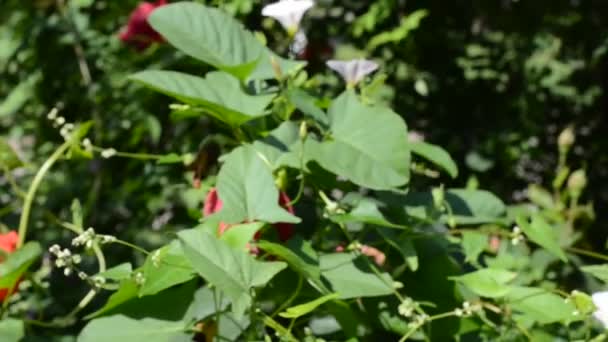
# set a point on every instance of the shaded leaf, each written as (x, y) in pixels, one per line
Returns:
(11, 330)
(473, 244)
(232, 271)
(17, 263)
(436, 155)
(540, 305)
(164, 268)
(351, 277)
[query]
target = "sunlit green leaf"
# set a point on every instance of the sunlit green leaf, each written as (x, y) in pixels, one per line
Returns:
(436, 155)
(487, 282)
(123, 328)
(303, 309)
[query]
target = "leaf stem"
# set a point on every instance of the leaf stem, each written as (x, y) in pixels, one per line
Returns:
(29, 198)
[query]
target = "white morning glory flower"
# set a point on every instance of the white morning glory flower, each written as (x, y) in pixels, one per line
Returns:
(288, 12)
(354, 70)
(600, 299)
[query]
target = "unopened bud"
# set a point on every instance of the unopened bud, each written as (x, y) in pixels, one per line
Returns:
(566, 139)
(438, 197)
(276, 67)
(303, 130)
(577, 182)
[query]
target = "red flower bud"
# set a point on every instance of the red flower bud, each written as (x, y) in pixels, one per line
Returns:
(213, 204)
(138, 32)
(8, 244)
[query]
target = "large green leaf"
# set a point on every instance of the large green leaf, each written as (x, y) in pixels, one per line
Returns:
(247, 190)
(164, 268)
(436, 155)
(122, 328)
(351, 277)
(219, 94)
(214, 37)
(487, 282)
(127, 291)
(232, 271)
(368, 145)
(541, 306)
(306, 104)
(17, 263)
(118, 272)
(540, 232)
(11, 330)
(239, 236)
(473, 244)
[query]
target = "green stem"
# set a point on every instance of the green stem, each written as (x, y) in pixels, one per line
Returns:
(29, 198)
(276, 326)
(128, 244)
(291, 298)
(587, 253)
(140, 156)
(302, 174)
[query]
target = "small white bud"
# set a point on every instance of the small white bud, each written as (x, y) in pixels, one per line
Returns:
(108, 153)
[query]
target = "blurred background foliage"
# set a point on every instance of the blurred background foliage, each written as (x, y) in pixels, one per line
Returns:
(493, 82)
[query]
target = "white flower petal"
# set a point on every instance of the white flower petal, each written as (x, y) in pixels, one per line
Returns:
(288, 12)
(600, 299)
(353, 71)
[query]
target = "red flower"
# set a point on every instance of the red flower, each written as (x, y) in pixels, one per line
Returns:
(213, 204)
(8, 244)
(138, 32)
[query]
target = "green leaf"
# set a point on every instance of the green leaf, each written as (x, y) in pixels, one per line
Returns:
(468, 206)
(118, 272)
(598, 271)
(247, 190)
(300, 256)
(408, 24)
(11, 330)
(19, 95)
(368, 145)
(122, 328)
(239, 236)
(365, 210)
(219, 94)
(127, 291)
(9, 160)
(541, 233)
(232, 271)
(436, 155)
(351, 277)
(206, 302)
(487, 282)
(210, 35)
(164, 268)
(303, 309)
(540, 196)
(214, 37)
(541, 306)
(278, 143)
(306, 104)
(473, 244)
(17, 263)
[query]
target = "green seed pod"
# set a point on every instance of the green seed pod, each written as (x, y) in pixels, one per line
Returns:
(566, 139)
(577, 183)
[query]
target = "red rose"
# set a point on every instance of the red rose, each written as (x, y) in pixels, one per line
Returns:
(138, 32)
(8, 244)
(213, 204)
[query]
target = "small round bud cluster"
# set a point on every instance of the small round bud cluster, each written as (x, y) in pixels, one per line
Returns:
(65, 259)
(566, 139)
(517, 236)
(89, 237)
(577, 183)
(419, 320)
(139, 278)
(156, 258)
(87, 144)
(108, 153)
(65, 128)
(85, 239)
(467, 309)
(407, 308)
